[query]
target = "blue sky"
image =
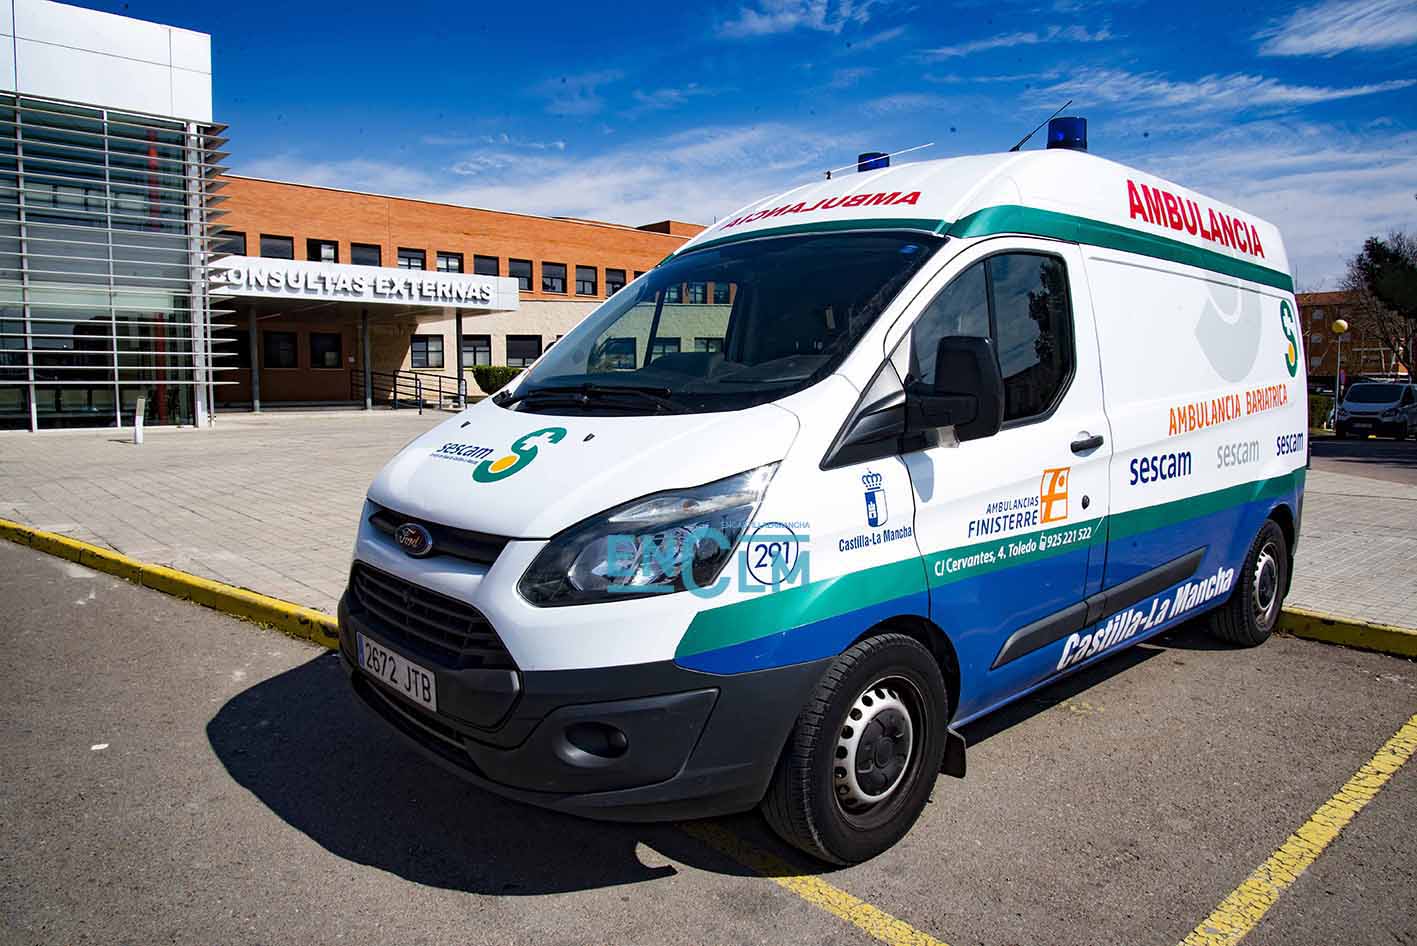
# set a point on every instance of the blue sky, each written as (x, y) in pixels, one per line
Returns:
(632, 112)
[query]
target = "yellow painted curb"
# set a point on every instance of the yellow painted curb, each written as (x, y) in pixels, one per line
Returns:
(1398, 641)
(293, 619)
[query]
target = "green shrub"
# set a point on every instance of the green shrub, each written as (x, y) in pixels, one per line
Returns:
(491, 378)
(1319, 406)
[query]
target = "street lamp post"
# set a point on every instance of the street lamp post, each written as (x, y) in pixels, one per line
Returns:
(1340, 326)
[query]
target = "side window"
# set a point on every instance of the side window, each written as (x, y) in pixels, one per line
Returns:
(1032, 330)
(1020, 300)
(961, 308)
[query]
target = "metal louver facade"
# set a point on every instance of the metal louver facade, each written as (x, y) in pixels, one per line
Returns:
(107, 226)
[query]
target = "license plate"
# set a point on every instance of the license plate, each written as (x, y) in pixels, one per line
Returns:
(1362, 424)
(398, 673)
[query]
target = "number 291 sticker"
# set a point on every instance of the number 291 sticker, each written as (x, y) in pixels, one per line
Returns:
(772, 552)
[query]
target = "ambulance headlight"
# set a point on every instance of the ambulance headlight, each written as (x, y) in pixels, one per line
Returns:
(657, 544)
(1390, 414)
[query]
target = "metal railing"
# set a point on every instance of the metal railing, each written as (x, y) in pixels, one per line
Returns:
(409, 389)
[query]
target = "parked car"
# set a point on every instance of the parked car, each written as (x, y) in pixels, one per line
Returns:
(1385, 409)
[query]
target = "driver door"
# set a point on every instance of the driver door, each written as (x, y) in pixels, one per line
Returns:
(1011, 526)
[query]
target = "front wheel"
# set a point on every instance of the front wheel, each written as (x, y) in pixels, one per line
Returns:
(1252, 612)
(862, 758)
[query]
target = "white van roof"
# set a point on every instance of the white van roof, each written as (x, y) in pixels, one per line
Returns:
(1057, 193)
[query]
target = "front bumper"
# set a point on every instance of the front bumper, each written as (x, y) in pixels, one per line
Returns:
(689, 744)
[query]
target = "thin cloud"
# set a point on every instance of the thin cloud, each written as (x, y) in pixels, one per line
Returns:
(1053, 34)
(662, 99)
(846, 78)
(577, 94)
(1234, 92)
(904, 102)
(1337, 26)
(769, 17)
(877, 39)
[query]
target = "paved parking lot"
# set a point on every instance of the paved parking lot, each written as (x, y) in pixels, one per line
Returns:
(175, 775)
(270, 502)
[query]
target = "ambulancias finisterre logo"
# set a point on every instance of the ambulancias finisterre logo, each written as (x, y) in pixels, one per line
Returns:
(876, 512)
(524, 450)
(414, 539)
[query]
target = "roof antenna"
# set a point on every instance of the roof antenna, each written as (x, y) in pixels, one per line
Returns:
(1040, 125)
(845, 167)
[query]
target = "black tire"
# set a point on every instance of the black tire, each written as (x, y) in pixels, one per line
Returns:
(1340, 433)
(816, 804)
(1250, 615)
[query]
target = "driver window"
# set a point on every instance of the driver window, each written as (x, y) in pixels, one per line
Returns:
(1020, 301)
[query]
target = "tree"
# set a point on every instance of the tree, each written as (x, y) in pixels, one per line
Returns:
(1382, 280)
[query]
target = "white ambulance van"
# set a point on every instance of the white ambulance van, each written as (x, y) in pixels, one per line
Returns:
(858, 464)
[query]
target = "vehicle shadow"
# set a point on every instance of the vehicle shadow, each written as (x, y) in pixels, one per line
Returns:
(302, 744)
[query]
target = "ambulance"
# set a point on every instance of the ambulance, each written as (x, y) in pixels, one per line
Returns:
(855, 466)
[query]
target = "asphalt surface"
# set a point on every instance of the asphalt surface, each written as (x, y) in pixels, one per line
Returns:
(242, 796)
(1392, 460)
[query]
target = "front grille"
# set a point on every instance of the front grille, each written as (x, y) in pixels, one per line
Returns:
(481, 548)
(452, 633)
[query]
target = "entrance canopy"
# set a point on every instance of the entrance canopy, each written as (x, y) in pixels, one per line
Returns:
(311, 282)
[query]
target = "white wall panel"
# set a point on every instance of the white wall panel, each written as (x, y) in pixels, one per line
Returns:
(63, 25)
(92, 78)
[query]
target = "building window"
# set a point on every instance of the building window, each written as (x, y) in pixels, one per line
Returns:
(708, 344)
(614, 281)
(322, 251)
(449, 262)
(720, 293)
(233, 242)
(326, 350)
(476, 350)
(426, 351)
(522, 350)
(663, 346)
(412, 259)
(485, 266)
(279, 350)
(698, 293)
(674, 293)
(520, 269)
(365, 254)
(618, 354)
(639, 273)
(553, 277)
(586, 281)
(277, 247)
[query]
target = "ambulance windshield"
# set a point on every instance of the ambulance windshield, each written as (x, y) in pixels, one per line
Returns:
(727, 327)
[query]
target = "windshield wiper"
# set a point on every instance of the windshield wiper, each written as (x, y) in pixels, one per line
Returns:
(583, 394)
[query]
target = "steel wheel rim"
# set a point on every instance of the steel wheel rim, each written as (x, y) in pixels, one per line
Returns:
(877, 749)
(1265, 597)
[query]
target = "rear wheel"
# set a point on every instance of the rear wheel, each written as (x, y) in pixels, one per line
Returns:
(862, 759)
(1252, 612)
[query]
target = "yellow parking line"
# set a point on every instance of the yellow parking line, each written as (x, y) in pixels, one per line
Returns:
(814, 890)
(1242, 910)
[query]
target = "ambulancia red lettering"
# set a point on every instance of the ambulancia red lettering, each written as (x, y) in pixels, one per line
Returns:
(879, 199)
(1161, 208)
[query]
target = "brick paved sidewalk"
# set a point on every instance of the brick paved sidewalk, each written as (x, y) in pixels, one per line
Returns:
(269, 502)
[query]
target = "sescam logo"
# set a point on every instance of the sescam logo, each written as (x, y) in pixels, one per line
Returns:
(1286, 444)
(1127, 624)
(1161, 466)
(1240, 453)
(524, 450)
(1291, 333)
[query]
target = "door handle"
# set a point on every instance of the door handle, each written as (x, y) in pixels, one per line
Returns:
(1084, 444)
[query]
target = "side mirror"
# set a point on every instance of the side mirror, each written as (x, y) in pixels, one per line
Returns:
(967, 392)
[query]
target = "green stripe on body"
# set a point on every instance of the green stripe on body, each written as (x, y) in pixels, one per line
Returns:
(772, 613)
(1011, 218)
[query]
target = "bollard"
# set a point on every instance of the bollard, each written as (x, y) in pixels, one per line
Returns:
(139, 410)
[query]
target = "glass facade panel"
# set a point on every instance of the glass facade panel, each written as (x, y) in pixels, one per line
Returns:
(104, 236)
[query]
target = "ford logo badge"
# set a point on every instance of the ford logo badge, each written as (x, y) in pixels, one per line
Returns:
(414, 539)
